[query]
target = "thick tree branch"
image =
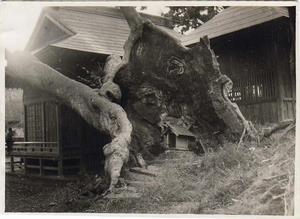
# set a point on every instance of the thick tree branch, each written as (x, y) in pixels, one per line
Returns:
(96, 110)
(133, 18)
(109, 89)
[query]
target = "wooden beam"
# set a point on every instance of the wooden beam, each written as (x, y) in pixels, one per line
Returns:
(25, 132)
(289, 99)
(59, 144)
(279, 80)
(25, 165)
(41, 166)
(43, 121)
(12, 164)
(25, 121)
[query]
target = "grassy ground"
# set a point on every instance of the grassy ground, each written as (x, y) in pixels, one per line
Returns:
(244, 180)
(247, 180)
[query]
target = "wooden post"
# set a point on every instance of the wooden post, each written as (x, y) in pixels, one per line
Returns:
(292, 53)
(25, 164)
(59, 145)
(25, 122)
(82, 146)
(12, 164)
(25, 132)
(43, 122)
(44, 135)
(279, 87)
(41, 166)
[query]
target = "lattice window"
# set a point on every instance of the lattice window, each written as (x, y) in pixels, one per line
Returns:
(253, 88)
(34, 122)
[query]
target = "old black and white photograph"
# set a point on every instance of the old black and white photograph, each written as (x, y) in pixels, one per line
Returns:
(150, 109)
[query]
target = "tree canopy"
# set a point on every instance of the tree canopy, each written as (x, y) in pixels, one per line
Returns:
(187, 18)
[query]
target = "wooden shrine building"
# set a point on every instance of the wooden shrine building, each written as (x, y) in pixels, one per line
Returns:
(75, 41)
(177, 137)
(253, 46)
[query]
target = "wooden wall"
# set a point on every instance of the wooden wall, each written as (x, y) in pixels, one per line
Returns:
(261, 113)
(286, 80)
(79, 145)
(81, 141)
(182, 142)
(257, 61)
(40, 113)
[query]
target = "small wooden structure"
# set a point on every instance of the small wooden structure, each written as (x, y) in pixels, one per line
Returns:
(177, 137)
(57, 141)
(253, 45)
(75, 41)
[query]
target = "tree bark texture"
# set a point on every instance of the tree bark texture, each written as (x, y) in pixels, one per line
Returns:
(161, 74)
(109, 89)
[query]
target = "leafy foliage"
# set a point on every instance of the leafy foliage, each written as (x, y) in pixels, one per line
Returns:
(90, 76)
(187, 18)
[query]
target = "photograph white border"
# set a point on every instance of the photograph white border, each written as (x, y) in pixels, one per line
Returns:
(145, 3)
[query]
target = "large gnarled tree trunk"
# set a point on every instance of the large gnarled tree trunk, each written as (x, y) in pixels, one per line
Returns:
(158, 72)
(156, 64)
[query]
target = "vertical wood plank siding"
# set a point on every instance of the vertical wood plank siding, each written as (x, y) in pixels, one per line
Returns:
(257, 61)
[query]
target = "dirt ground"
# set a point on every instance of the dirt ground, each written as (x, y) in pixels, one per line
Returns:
(32, 194)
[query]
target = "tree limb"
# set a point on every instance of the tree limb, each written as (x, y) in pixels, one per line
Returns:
(96, 110)
(109, 88)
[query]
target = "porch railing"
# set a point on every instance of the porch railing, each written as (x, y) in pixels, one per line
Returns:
(40, 149)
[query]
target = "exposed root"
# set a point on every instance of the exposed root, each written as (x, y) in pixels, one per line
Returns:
(241, 139)
(278, 127)
(288, 129)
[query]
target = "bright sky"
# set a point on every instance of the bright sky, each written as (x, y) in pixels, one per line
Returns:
(17, 23)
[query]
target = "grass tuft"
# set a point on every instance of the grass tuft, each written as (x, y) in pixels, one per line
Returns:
(231, 180)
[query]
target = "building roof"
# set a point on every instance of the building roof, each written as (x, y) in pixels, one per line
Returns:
(179, 130)
(234, 19)
(92, 29)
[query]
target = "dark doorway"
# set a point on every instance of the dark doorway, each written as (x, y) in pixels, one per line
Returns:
(172, 140)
